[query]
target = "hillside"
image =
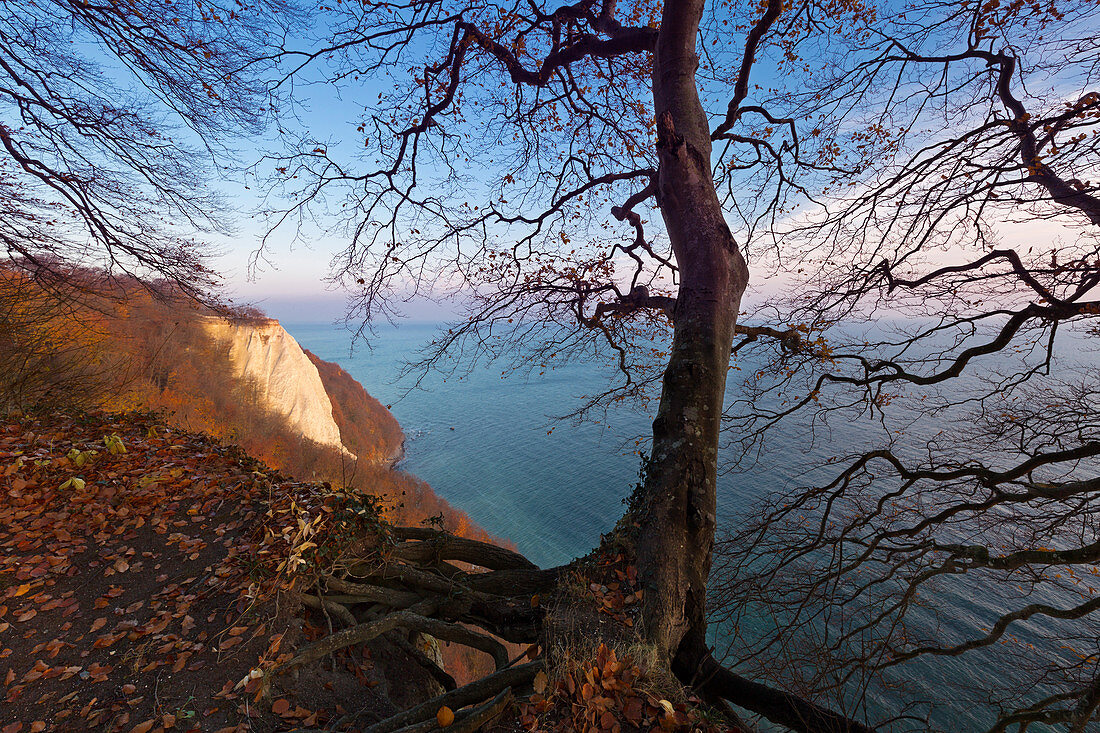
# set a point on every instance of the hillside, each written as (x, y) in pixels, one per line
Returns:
(139, 585)
(367, 428)
(242, 381)
(237, 376)
(249, 382)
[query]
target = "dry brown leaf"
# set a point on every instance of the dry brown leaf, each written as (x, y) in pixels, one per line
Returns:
(445, 716)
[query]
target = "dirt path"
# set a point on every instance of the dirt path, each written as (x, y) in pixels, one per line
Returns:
(131, 596)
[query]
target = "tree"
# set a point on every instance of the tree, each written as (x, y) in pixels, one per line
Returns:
(110, 117)
(52, 352)
(518, 151)
(561, 110)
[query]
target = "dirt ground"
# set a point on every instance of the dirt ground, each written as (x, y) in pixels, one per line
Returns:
(131, 593)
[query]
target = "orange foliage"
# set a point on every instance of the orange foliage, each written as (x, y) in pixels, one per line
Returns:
(367, 428)
(174, 367)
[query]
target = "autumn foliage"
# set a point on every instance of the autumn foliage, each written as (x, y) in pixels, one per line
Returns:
(129, 600)
(135, 348)
(52, 349)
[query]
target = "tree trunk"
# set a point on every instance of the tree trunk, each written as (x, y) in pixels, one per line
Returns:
(677, 510)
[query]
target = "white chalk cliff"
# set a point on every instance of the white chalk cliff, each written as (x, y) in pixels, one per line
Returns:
(287, 381)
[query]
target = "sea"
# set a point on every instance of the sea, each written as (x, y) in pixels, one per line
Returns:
(490, 442)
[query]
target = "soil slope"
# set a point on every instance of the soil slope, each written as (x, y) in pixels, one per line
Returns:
(137, 587)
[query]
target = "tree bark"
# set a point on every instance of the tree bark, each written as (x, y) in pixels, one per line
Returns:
(677, 508)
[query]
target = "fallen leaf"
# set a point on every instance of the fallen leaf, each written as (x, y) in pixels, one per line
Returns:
(280, 706)
(445, 717)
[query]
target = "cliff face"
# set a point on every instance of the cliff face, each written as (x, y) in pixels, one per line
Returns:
(287, 381)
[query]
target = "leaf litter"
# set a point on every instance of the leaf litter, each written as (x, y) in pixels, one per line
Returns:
(140, 581)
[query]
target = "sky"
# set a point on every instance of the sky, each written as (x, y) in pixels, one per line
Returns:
(290, 283)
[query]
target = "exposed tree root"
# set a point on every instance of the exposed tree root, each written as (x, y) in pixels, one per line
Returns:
(444, 546)
(328, 606)
(483, 714)
(796, 713)
(412, 582)
(361, 633)
(446, 681)
(475, 693)
(364, 593)
(408, 585)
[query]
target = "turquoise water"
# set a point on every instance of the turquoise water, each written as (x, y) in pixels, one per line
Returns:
(490, 446)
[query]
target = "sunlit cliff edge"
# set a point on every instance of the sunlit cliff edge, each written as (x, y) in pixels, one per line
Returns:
(287, 380)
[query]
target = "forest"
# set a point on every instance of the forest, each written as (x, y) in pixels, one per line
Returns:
(759, 219)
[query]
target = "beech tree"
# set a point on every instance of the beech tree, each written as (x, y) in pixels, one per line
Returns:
(593, 178)
(519, 152)
(112, 118)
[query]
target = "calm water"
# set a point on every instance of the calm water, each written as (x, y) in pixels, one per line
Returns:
(482, 442)
(491, 445)
(485, 444)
